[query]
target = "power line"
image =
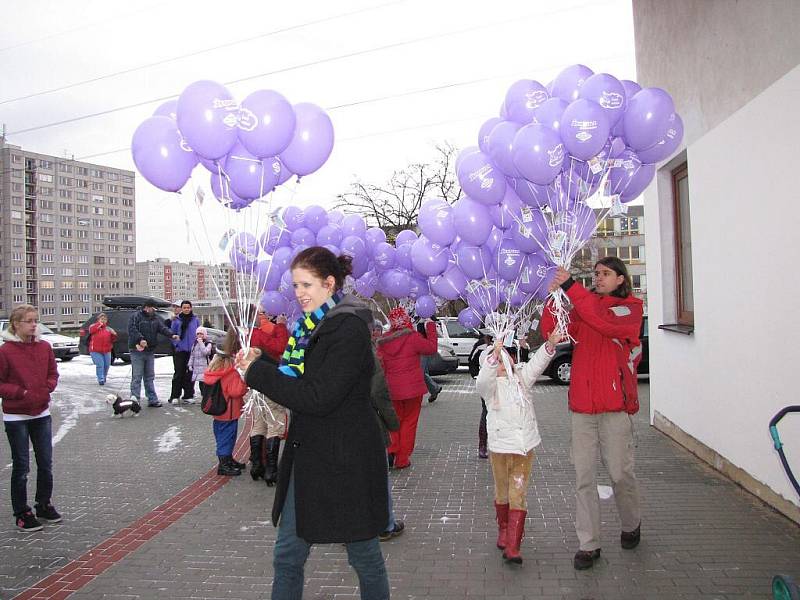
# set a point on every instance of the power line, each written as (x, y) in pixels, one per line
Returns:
(309, 64)
(198, 52)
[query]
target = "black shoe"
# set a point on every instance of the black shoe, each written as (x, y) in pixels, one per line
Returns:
(399, 526)
(391, 460)
(226, 468)
(435, 395)
(584, 559)
(169, 400)
(630, 539)
(47, 513)
(271, 466)
(256, 457)
(154, 404)
(27, 522)
(237, 464)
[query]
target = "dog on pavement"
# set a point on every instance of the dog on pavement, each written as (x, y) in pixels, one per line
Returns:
(121, 406)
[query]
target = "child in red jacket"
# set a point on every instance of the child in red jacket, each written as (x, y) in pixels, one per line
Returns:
(226, 425)
(28, 376)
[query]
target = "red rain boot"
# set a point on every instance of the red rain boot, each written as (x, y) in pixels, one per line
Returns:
(516, 531)
(501, 510)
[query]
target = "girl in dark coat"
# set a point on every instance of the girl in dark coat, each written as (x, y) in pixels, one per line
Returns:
(332, 479)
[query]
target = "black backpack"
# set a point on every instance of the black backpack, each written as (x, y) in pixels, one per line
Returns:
(214, 402)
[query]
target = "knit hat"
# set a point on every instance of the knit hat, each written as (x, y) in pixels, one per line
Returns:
(202, 330)
(399, 319)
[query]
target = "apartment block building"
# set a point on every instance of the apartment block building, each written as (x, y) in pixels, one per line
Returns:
(67, 235)
(621, 236)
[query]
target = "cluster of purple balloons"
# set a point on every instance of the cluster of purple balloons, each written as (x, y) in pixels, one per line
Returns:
(555, 137)
(249, 147)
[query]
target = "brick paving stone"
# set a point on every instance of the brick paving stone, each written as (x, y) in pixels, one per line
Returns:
(703, 537)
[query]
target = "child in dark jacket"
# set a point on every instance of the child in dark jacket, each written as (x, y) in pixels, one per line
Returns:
(28, 376)
(226, 425)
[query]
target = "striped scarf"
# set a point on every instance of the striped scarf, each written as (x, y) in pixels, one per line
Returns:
(293, 358)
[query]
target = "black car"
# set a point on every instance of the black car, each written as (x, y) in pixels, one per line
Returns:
(119, 309)
(561, 365)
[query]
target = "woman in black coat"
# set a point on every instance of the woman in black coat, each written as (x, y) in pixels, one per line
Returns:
(332, 478)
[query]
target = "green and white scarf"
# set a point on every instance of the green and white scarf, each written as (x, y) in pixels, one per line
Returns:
(293, 358)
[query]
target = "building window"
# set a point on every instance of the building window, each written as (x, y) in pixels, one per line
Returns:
(684, 292)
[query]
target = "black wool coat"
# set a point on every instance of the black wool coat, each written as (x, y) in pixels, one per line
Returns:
(334, 444)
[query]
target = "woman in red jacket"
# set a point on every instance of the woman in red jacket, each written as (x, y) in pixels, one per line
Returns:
(28, 375)
(399, 351)
(101, 342)
(226, 425)
(605, 325)
(268, 427)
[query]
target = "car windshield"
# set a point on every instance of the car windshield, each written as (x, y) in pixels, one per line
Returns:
(43, 329)
(456, 329)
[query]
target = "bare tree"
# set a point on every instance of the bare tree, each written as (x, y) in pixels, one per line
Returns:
(394, 206)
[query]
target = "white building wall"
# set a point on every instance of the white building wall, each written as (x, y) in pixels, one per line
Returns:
(722, 384)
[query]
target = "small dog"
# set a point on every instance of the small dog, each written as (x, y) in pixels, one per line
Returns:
(121, 406)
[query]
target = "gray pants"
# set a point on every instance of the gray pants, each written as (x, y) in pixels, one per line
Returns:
(612, 435)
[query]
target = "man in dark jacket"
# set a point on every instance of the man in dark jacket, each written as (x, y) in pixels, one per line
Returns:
(143, 330)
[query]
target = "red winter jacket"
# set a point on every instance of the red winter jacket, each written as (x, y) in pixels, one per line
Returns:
(28, 375)
(271, 338)
(607, 350)
(399, 353)
(233, 388)
(102, 337)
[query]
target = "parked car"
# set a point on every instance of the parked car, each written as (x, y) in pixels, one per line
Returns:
(64, 347)
(561, 366)
(460, 338)
(119, 310)
(444, 361)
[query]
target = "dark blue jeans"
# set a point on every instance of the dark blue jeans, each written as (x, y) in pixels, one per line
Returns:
(225, 436)
(429, 382)
(39, 432)
(291, 553)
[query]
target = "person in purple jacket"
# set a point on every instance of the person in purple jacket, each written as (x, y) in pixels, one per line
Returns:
(28, 375)
(184, 325)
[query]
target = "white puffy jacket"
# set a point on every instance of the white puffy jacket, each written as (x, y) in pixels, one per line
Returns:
(511, 418)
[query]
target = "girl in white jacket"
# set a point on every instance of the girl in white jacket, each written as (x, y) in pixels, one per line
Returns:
(513, 434)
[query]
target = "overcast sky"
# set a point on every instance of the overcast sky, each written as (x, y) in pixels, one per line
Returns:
(397, 77)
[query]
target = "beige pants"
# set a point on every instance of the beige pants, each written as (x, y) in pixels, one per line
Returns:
(612, 435)
(511, 473)
(270, 423)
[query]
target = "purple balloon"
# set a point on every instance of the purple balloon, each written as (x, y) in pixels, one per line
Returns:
(538, 153)
(631, 89)
(578, 222)
(508, 260)
(407, 236)
(536, 275)
(269, 275)
(249, 179)
(208, 117)
(403, 257)
(451, 284)
(282, 258)
(274, 303)
(366, 284)
(244, 252)
(303, 236)
(494, 239)
(353, 225)
(468, 151)
(631, 178)
(469, 318)
(485, 130)
(429, 259)
(584, 128)
(360, 263)
(316, 217)
(522, 100)
(372, 237)
(167, 109)
(425, 307)
(550, 113)
(501, 147)
(419, 287)
(608, 92)
(436, 221)
(506, 214)
(273, 238)
(311, 142)
(335, 216)
(568, 82)
(286, 286)
(472, 221)
(334, 249)
(532, 194)
(283, 174)
(384, 256)
(394, 283)
(531, 234)
(484, 299)
(161, 155)
(331, 234)
(474, 261)
(647, 118)
(294, 217)
(480, 179)
(266, 123)
(667, 145)
(221, 188)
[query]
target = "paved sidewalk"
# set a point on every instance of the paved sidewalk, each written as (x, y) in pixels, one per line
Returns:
(703, 537)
